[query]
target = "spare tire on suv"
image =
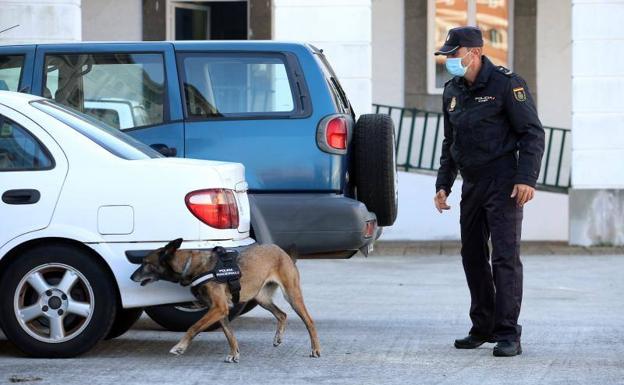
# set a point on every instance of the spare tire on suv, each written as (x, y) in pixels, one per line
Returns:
(374, 166)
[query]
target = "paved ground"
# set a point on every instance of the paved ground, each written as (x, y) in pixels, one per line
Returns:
(382, 320)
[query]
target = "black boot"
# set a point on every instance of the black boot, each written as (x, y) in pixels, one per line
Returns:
(507, 349)
(472, 342)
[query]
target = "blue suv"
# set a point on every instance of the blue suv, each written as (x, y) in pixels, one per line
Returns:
(317, 178)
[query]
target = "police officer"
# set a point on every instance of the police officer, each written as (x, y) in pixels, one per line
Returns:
(493, 137)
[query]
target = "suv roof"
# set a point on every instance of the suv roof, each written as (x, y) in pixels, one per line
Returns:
(263, 45)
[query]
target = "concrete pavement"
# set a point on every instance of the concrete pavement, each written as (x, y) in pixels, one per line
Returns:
(382, 320)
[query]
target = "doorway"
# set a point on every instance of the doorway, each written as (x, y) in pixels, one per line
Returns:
(207, 20)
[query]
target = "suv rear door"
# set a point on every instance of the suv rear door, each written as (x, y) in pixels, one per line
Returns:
(255, 107)
(123, 85)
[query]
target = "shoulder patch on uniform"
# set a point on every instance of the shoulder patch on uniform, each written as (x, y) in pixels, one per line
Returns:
(504, 71)
(519, 94)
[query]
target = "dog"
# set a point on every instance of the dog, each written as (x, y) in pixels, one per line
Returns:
(263, 269)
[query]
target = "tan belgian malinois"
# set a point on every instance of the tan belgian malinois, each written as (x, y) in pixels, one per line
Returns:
(263, 268)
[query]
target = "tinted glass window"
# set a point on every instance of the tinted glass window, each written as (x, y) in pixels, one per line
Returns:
(122, 90)
(112, 140)
(19, 150)
(10, 72)
(235, 85)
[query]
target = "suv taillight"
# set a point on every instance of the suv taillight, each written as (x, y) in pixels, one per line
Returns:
(333, 134)
(215, 207)
(336, 133)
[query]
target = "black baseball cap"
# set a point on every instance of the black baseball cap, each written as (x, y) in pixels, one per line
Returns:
(461, 37)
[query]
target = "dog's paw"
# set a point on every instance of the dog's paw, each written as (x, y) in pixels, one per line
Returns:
(178, 350)
(232, 358)
(277, 340)
(316, 353)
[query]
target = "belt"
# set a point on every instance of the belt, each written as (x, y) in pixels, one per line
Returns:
(506, 165)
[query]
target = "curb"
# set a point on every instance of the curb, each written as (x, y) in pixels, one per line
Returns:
(452, 248)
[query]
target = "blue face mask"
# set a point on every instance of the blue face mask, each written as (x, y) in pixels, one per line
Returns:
(454, 66)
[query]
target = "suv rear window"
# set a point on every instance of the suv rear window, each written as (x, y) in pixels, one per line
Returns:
(124, 90)
(235, 85)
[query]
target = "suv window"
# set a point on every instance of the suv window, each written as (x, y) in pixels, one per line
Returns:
(117, 143)
(340, 97)
(122, 90)
(19, 150)
(233, 85)
(10, 72)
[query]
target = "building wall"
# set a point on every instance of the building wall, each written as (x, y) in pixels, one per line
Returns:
(388, 52)
(46, 21)
(554, 62)
(342, 28)
(419, 220)
(113, 20)
(597, 201)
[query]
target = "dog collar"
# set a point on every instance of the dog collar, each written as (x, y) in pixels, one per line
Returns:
(187, 267)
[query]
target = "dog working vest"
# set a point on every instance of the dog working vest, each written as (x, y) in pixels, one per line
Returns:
(225, 271)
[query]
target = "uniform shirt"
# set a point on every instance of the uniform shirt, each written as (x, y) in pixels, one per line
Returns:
(493, 118)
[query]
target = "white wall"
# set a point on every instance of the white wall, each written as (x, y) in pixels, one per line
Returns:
(40, 21)
(342, 28)
(554, 62)
(112, 20)
(545, 217)
(388, 52)
(597, 84)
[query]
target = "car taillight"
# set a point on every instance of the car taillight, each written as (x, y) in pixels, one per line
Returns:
(332, 134)
(336, 133)
(215, 207)
(369, 228)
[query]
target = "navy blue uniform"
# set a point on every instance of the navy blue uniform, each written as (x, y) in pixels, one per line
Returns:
(494, 139)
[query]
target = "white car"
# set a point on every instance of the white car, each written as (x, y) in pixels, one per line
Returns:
(80, 200)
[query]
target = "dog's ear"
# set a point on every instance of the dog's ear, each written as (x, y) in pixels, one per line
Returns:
(219, 251)
(169, 250)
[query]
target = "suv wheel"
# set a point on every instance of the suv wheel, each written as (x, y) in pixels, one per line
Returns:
(57, 301)
(375, 171)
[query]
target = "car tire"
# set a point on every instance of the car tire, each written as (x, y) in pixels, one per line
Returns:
(179, 318)
(374, 166)
(57, 301)
(124, 320)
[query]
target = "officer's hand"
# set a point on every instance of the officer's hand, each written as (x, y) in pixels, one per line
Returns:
(523, 193)
(440, 201)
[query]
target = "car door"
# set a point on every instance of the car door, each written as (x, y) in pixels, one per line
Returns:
(125, 85)
(32, 172)
(254, 107)
(16, 65)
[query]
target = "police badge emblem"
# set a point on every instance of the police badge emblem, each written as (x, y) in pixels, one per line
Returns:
(452, 104)
(519, 94)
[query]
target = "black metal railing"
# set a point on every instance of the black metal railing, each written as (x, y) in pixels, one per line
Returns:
(419, 144)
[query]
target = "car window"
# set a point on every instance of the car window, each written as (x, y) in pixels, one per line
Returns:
(340, 97)
(236, 85)
(10, 72)
(19, 150)
(122, 90)
(109, 138)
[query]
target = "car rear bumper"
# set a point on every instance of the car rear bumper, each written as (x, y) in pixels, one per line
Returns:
(318, 225)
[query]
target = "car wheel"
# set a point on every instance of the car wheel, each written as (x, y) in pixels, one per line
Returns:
(123, 321)
(179, 318)
(375, 171)
(57, 301)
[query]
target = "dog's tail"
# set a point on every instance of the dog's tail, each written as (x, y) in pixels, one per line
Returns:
(292, 252)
